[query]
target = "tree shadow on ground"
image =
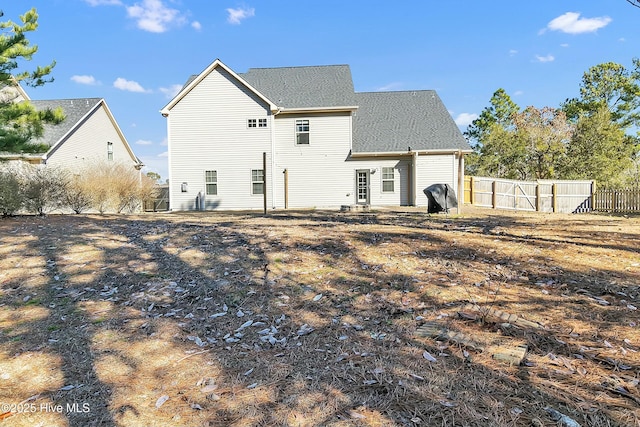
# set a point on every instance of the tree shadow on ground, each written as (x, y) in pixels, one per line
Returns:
(160, 313)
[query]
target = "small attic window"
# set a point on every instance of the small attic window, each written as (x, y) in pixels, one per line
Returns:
(256, 123)
(109, 150)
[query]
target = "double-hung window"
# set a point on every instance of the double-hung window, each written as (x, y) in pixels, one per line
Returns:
(388, 178)
(257, 181)
(302, 132)
(211, 182)
(109, 150)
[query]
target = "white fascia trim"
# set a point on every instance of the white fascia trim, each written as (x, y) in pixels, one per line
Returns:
(408, 153)
(316, 109)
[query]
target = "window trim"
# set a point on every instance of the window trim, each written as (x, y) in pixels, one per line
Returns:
(262, 123)
(302, 124)
(386, 179)
(254, 182)
(213, 183)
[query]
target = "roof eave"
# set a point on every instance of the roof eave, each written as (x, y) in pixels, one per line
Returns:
(332, 109)
(409, 153)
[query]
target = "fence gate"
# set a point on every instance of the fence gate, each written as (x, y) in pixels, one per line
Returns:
(543, 195)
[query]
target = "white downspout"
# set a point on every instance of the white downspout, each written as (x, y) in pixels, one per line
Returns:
(274, 200)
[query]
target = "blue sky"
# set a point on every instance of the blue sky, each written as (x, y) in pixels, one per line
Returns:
(136, 53)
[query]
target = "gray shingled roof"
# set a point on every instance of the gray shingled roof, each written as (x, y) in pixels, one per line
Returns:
(304, 87)
(74, 110)
(395, 121)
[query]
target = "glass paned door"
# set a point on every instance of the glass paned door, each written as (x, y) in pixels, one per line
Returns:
(362, 179)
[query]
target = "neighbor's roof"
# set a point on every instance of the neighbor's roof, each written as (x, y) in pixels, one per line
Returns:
(397, 121)
(74, 110)
(304, 87)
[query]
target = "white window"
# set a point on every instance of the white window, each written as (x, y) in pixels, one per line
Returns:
(388, 179)
(109, 150)
(211, 182)
(257, 181)
(302, 132)
(256, 123)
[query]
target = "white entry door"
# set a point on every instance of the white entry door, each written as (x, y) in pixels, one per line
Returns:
(362, 183)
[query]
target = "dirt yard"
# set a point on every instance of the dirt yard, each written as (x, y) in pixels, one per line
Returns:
(320, 319)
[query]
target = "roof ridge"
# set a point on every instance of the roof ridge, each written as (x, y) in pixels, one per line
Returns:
(397, 91)
(297, 66)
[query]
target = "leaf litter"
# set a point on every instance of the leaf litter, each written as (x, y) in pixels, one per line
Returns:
(302, 317)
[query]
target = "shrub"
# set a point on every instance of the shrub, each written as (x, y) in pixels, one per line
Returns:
(44, 188)
(11, 199)
(113, 187)
(77, 196)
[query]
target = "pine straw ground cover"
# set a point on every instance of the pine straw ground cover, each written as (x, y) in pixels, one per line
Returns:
(310, 318)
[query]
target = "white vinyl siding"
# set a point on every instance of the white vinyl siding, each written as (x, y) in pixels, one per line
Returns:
(435, 169)
(318, 174)
(88, 144)
(378, 197)
(209, 126)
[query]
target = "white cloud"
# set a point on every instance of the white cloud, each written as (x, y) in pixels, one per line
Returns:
(237, 15)
(85, 80)
(143, 142)
(390, 86)
(164, 154)
(513, 52)
(128, 85)
(171, 91)
(572, 23)
(154, 16)
(548, 58)
(196, 25)
(518, 93)
(165, 142)
(465, 119)
(103, 2)
(564, 45)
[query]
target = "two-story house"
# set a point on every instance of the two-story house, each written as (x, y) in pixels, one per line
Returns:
(301, 137)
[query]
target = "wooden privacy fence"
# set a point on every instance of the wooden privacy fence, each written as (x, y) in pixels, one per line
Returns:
(624, 200)
(541, 196)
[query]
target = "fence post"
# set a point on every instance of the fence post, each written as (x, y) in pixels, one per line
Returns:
(554, 197)
(593, 195)
(471, 191)
(538, 201)
(494, 196)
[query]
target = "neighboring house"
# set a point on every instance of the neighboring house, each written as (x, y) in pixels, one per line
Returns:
(88, 135)
(307, 139)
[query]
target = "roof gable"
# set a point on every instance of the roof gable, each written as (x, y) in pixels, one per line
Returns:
(195, 80)
(76, 112)
(403, 121)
